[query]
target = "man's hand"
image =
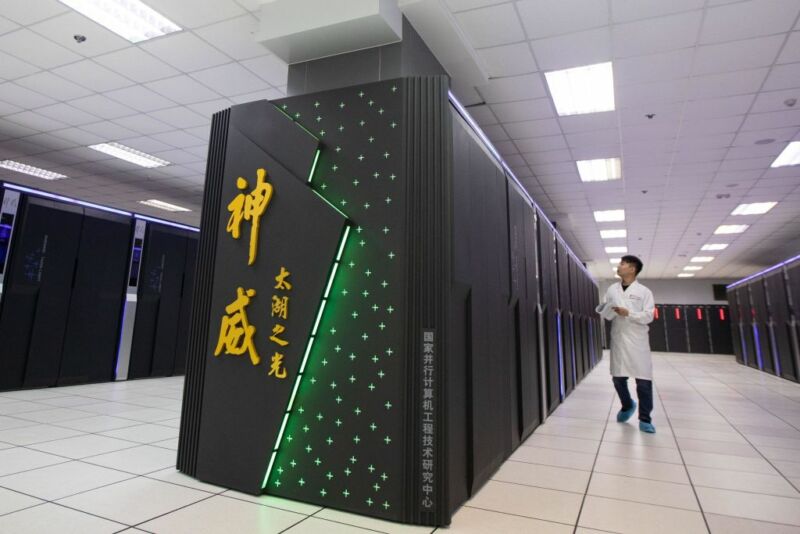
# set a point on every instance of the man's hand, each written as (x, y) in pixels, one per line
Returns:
(621, 311)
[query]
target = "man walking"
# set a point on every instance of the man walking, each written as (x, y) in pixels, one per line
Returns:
(629, 306)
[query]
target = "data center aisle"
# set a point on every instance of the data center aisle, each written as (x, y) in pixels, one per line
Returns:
(726, 458)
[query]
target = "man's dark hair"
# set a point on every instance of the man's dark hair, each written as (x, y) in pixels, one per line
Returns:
(634, 260)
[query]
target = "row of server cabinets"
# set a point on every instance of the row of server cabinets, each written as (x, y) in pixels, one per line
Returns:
(89, 295)
(765, 313)
(697, 328)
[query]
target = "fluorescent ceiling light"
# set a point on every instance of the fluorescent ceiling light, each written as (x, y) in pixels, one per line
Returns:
(614, 260)
(613, 234)
(130, 154)
(756, 208)
(130, 19)
(614, 250)
(588, 89)
(599, 170)
(715, 246)
(685, 275)
(692, 268)
(609, 215)
(702, 259)
(163, 205)
(29, 169)
(789, 156)
(731, 228)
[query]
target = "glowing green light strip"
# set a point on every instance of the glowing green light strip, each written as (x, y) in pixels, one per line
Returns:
(309, 132)
(340, 212)
(314, 166)
(299, 378)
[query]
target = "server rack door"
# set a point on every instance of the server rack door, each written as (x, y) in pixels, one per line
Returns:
(92, 334)
(779, 326)
(186, 306)
(676, 328)
(52, 233)
(722, 335)
(758, 302)
(734, 321)
(549, 298)
(658, 333)
(793, 297)
(575, 320)
(697, 319)
(747, 316)
(564, 324)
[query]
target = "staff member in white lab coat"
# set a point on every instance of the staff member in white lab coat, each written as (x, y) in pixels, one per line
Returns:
(629, 306)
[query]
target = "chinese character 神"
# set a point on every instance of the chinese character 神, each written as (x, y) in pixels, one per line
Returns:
(280, 307)
(282, 283)
(276, 368)
(249, 207)
(235, 332)
(278, 329)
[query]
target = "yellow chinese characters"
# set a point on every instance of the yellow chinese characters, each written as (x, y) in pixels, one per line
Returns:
(280, 309)
(249, 207)
(235, 331)
(276, 368)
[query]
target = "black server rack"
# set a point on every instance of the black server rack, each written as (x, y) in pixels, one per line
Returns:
(565, 337)
(675, 318)
(721, 327)
(758, 304)
(697, 329)
(658, 333)
(778, 326)
(549, 314)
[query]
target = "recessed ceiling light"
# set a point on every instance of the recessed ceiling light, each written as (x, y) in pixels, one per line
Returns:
(756, 208)
(715, 246)
(613, 234)
(702, 259)
(588, 89)
(29, 169)
(616, 250)
(609, 215)
(130, 19)
(130, 154)
(731, 228)
(614, 260)
(692, 268)
(789, 156)
(765, 141)
(599, 170)
(162, 205)
(685, 275)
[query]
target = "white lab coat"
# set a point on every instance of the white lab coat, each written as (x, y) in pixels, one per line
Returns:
(630, 342)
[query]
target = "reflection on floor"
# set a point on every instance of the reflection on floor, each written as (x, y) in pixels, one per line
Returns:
(726, 458)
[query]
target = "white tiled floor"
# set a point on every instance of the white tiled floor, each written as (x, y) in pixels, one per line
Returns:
(726, 459)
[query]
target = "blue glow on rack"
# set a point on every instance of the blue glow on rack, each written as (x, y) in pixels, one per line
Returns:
(765, 271)
(774, 350)
(166, 223)
(572, 347)
(560, 358)
(757, 340)
(61, 198)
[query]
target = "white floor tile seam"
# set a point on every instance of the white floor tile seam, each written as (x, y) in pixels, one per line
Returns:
(83, 432)
(763, 457)
(443, 530)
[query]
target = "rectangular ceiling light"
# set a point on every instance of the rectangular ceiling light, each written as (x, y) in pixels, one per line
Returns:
(685, 275)
(756, 208)
(609, 216)
(616, 250)
(599, 170)
(789, 156)
(130, 154)
(29, 169)
(162, 205)
(130, 19)
(614, 260)
(692, 268)
(579, 90)
(702, 259)
(613, 234)
(715, 246)
(731, 228)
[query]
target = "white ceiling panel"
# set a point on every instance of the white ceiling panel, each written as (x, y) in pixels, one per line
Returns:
(550, 156)
(537, 128)
(523, 110)
(496, 133)
(136, 64)
(737, 55)
(726, 84)
(265, 94)
(524, 87)
(508, 60)
(719, 107)
(748, 138)
(546, 18)
(573, 50)
(482, 114)
(140, 98)
(653, 67)
(102, 107)
(775, 100)
(234, 37)
(589, 122)
(269, 68)
(748, 19)
(774, 119)
(540, 143)
(791, 51)
(143, 124)
(655, 35)
(595, 138)
(26, 13)
(197, 12)
(22, 97)
(783, 77)
(180, 117)
(463, 5)
(147, 144)
(178, 139)
(12, 68)
(641, 94)
(720, 125)
(182, 90)
(78, 136)
(91, 75)
(55, 87)
(628, 10)
(491, 26)
(108, 130)
(230, 80)
(35, 121)
(35, 49)
(63, 28)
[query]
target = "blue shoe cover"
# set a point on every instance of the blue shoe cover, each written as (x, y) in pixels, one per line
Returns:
(647, 427)
(624, 415)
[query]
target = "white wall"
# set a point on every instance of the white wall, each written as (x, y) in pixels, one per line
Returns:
(674, 291)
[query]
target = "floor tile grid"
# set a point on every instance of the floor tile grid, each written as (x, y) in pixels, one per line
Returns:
(743, 370)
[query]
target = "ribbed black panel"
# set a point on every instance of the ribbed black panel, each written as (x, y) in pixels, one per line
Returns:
(204, 276)
(428, 247)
